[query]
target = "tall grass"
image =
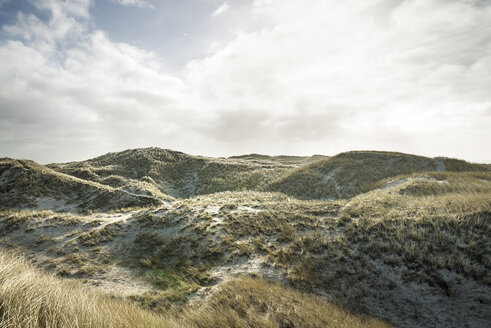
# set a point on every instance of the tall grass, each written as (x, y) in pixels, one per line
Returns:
(246, 302)
(29, 299)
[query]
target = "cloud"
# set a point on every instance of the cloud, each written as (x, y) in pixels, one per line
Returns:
(68, 22)
(397, 66)
(135, 3)
(320, 78)
(99, 94)
(221, 10)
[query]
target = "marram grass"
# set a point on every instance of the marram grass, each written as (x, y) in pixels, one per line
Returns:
(30, 298)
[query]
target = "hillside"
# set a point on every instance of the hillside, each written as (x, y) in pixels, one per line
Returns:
(407, 242)
(26, 184)
(174, 173)
(51, 306)
(151, 171)
(281, 159)
(352, 173)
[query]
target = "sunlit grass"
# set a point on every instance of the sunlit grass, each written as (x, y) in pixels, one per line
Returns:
(29, 298)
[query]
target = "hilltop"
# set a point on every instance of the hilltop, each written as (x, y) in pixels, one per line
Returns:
(25, 184)
(400, 238)
(181, 175)
(281, 159)
(174, 173)
(352, 173)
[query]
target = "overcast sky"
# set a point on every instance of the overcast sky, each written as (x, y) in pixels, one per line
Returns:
(81, 78)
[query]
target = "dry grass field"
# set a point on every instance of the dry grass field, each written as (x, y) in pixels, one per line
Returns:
(156, 238)
(34, 299)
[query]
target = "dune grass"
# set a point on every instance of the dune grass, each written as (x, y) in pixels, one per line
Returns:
(26, 182)
(30, 298)
(402, 227)
(246, 302)
(349, 174)
(174, 173)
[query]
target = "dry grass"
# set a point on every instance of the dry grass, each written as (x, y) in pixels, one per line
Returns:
(425, 234)
(155, 173)
(281, 159)
(29, 298)
(174, 173)
(427, 224)
(352, 173)
(25, 182)
(246, 302)
(425, 195)
(32, 299)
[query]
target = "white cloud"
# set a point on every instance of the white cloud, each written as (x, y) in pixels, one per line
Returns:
(379, 75)
(135, 3)
(68, 23)
(221, 10)
(100, 95)
(300, 77)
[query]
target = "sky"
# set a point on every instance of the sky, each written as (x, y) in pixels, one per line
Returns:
(81, 78)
